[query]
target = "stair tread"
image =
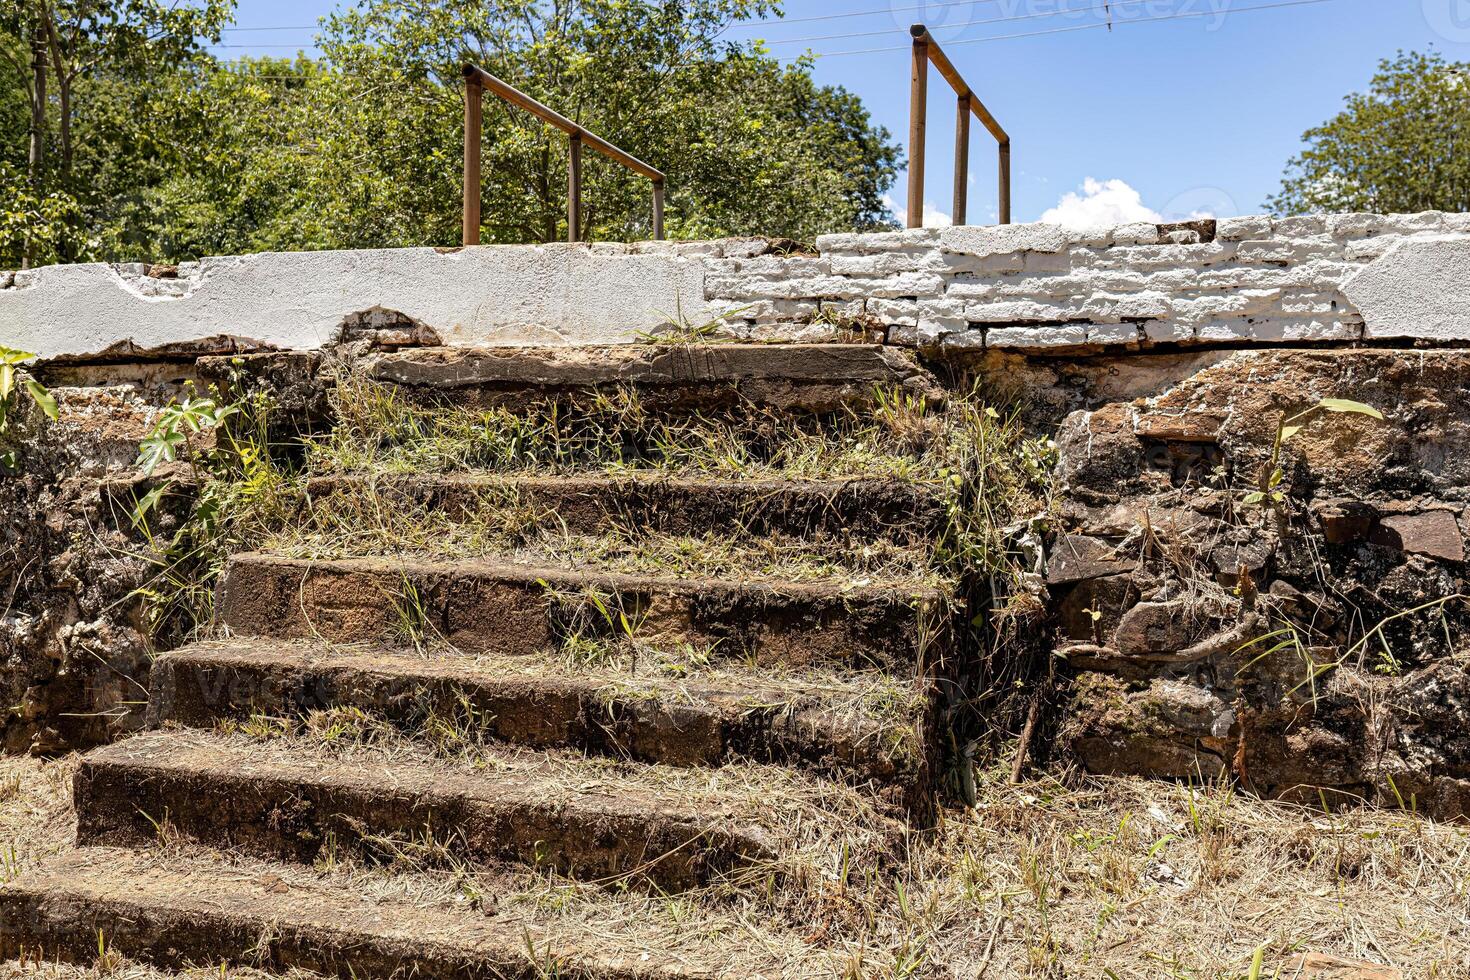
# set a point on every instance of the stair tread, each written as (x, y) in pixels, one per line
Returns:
(290, 797)
(505, 772)
(203, 908)
(852, 590)
(484, 604)
(867, 724)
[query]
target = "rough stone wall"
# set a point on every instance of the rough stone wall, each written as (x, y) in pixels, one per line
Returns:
(74, 644)
(1336, 279)
(1315, 643)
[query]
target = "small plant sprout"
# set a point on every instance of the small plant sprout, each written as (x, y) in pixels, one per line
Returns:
(171, 433)
(1269, 491)
(10, 362)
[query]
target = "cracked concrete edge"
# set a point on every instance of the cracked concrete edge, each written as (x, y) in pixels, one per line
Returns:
(485, 295)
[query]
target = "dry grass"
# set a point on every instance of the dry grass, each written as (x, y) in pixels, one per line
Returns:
(354, 522)
(1108, 877)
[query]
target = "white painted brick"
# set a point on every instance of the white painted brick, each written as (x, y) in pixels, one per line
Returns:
(1243, 229)
(1367, 249)
(696, 249)
(743, 248)
(971, 289)
(1012, 312)
(1020, 338)
(1346, 226)
(1041, 263)
(1167, 331)
(1321, 328)
(886, 241)
(1177, 280)
(936, 326)
(1138, 233)
(1091, 237)
(964, 340)
(879, 263)
(1310, 303)
(1241, 302)
(1139, 306)
(1113, 333)
(1300, 226)
(785, 266)
(1408, 224)
(899, 311)
(984, 240)
(1282, 251)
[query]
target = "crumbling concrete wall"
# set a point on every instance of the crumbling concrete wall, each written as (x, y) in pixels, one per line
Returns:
(1038, 288)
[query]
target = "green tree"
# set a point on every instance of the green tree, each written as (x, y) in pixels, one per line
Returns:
(366, 150)
(1402, 146)
(64, 57)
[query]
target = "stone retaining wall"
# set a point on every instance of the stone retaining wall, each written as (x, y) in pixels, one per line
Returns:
(1028, 288)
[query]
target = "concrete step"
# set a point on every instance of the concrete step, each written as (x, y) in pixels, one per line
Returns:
(511, 609)
(790, 377)
(178, 911)
(296, 798)
(655, 503)
(874, 730)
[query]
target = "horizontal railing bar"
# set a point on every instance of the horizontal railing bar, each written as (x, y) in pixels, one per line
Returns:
(515, 96)
(947, 70)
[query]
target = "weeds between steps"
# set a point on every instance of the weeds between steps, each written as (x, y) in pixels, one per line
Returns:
(1096, 877)
(989, 472)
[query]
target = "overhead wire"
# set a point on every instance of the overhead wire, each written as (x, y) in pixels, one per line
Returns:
(1110, 6)
(1076, 27)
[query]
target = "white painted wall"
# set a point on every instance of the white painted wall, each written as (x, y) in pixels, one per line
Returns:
(1337, 278)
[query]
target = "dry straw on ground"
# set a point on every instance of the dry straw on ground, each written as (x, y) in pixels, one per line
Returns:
(1099, 878)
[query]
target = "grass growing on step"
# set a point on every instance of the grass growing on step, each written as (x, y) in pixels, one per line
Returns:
(379, 430)
(1104, 877)
(354, 521)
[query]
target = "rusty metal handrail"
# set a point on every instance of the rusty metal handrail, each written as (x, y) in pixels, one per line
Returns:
(927, 51)
(475, 81)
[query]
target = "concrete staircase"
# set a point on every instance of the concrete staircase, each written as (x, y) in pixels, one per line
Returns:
(416, 717)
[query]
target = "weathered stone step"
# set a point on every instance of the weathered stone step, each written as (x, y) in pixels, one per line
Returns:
(179, 911)
(837, 729)
(654, 503)
(511, 609)
(291, 798)
(802, 377)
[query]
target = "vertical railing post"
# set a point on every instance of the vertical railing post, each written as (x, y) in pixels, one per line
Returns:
(1005, 182)
(961, 158)
(918, 106)
(472, 99)
(574, 187)
(658, 210)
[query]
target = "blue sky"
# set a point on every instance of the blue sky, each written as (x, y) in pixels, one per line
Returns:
(1168, 114)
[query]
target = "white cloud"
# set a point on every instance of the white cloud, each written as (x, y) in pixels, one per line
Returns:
(1101, 203)
(933, 217)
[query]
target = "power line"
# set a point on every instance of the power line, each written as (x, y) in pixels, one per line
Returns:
(1079, 27)
(1110, 5)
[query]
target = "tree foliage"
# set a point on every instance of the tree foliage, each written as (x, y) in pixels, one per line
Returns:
(1402, 146)
(179, 155)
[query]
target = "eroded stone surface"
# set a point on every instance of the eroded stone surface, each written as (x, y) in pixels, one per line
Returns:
(1311, 642)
